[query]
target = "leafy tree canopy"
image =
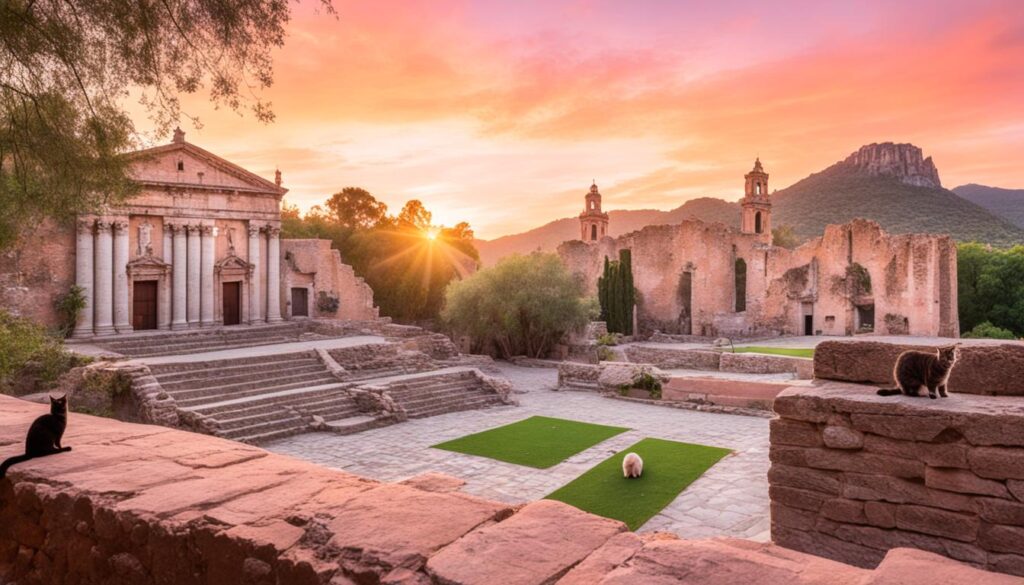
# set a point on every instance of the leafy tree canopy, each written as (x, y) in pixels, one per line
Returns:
(67, 67)
(990, 288)
(354, 207)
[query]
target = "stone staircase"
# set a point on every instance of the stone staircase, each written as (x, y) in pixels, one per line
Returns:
(261, 398)
(184, 342)
(431, 394)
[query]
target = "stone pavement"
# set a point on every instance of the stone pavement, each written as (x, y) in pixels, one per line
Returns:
(731, 499)
(259, 350)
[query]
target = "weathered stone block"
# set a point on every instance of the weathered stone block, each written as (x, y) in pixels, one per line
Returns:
(1008, 539)
(838, 437)
(861, 462)
(1000, 511)
(880, 514)
(963, 481)
(1016, 488)
(826, 482)
(797, 498)
(792, 432)
(842, 510)
(938, 522)
(788, 516)
(997, 462)
(912, 428)
(877, 487)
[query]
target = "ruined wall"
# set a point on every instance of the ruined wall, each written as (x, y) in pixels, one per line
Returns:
(37, 270)
(312, 264)
(907, 281)
(855, 474)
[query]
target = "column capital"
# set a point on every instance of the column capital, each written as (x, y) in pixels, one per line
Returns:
(103, 226)
(191, 229)
(254, 230)
(85, 225)
(119, 226)
(206, 230)
(274, 231)
(172, 226)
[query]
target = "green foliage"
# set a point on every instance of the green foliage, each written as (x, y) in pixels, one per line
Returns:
(616, 293)
(524, 305)
(67, 67)
(859, 279)
(69, 305)
(30, 358)
(990, 287)
(327, 304)
(407, 270)
(840, 194)
(608, 339)
(987, 330)
(604, 354)
(785, 237)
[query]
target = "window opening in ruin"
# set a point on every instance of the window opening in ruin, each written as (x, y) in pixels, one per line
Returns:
(741, 285)
(686, 303)
(593, 232)
(181, 165)
(865, 318)
(757, 222)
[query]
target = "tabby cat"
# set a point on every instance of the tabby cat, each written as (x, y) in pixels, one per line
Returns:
(920, 369)
(44, 435)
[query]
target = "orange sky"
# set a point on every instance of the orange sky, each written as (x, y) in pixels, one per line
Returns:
(500, 113)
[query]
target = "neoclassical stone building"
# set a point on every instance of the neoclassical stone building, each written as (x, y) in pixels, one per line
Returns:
(200, 246)
(709, 279)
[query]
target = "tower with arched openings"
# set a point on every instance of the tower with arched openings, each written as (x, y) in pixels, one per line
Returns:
(593, 222)
(757, 207)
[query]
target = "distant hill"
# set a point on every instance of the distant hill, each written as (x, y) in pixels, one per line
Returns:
(1006, 203)
(548, 236)
(892, 184)
(901, 201)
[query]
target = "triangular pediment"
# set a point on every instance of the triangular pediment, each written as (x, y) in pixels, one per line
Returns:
(232, 262)
(148, 262)
(188, 166)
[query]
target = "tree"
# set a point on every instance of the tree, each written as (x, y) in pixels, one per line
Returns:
(414, 215)
(785, 237)
(356, 208)
(616, 293)
(990, 288)
(523, 305)
(66, 67)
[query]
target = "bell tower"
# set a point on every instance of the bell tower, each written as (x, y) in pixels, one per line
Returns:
(593, 222)
(757, 207)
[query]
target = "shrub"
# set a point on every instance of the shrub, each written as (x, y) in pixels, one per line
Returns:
(523, 305)
(650, 383)
(31, 359)
(608, 339)
(101, 392)
(604, 354)
(69, 305)
(987, 330)
(326, 303)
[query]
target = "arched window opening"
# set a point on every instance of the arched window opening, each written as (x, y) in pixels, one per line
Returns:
(593, 232)
(741, 285)
(757, 187)
(757, 222)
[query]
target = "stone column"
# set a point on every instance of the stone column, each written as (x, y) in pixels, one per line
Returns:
(179, 319)
(168, 251)
(255, 308)
(206, 296)
(194, 279)
(274, 275)
(84, 274)
(121, 320)
(103, 323)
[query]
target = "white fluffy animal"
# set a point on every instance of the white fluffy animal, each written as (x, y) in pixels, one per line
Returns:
(632, 465)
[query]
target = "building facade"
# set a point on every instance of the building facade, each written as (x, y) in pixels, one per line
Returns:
(697, 278)
(593, 221)
(199, 246)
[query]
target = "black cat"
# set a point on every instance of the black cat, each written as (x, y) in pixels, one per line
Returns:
(44, 435)
(917, 369)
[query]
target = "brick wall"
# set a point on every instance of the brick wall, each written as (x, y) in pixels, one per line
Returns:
(855, 474)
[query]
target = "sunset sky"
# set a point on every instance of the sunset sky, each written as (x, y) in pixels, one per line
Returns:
(501, 113)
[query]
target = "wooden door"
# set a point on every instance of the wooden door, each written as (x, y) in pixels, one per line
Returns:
(232, 303)
(300, 302)
(144, 305)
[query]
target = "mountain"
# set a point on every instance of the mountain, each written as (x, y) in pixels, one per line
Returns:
(548, 236)
(1005, 203)
(895, 186)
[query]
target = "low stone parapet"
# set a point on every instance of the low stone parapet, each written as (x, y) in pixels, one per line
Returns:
(756, 363)
(995, 369)
(855, 474)
(667, 357)
(139, 505)
(576, 376)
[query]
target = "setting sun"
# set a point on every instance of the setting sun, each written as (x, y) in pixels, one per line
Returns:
(431, 234)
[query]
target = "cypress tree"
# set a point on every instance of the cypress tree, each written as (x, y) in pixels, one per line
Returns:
(616, 293)
(629, 293)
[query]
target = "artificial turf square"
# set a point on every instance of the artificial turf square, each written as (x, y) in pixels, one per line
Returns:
(538, 441)
(669, 467)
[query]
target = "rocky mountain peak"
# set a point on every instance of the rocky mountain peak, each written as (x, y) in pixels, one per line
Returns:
(904, 162)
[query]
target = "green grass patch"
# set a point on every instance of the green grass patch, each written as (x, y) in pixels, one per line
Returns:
(669, 467)
(787, 351)
(538, 441)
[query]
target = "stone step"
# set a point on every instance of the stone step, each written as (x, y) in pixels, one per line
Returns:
(456, 395)
(458, 407)
(285, 422)
(428, 380)
(251, 387)
(183, 367)
(258, 375)
(353, 424)
(261, 405)
(357, 375)
(240, 403)
(424, 392)
(340, 407)
(200, 348)
(202, 334)
(145, 343)
(229, 397)
(257, 438)
(138, 348)
(217, 369)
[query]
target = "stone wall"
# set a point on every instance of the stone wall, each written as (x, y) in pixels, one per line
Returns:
(36, 271)
(314, 265)
(855, 474)
(140, 505)
(912, 280)
(983, 367)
